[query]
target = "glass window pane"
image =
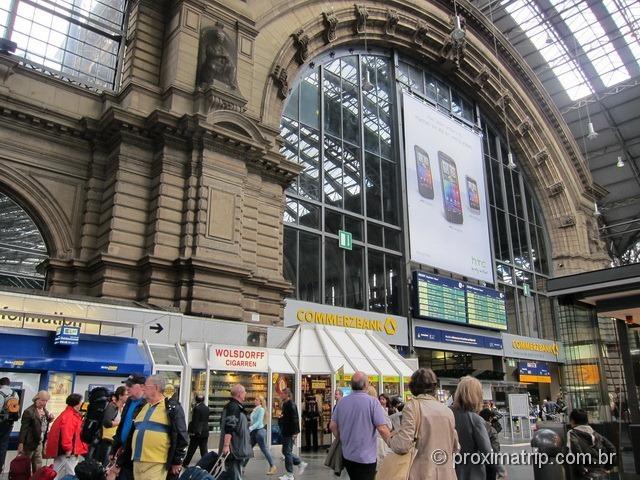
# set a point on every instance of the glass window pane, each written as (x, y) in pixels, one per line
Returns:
(349, 69)
(354, 269)
(432, 89)
(402, 75)
(291, 210)
(355, 227)
(332, 221)
(309, 179)
(373, 186)
(508, 182)
(374, 234)
(352, 178)
(415, 79)
(331, 92)
(350, 113)
(309, 268)
(390, 193)
(290, 257)
(309, 215)
(291, 110)
(544, 262)
(332, 171)
(495, 175)
(310, 101)
(501, 237)
(334, 273)
(376, 285)
(393, 284)
(392, 239)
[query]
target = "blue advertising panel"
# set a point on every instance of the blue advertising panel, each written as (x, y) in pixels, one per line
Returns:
(446, 336)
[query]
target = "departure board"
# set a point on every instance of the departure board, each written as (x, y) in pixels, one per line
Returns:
(439, 298)
(485, 307)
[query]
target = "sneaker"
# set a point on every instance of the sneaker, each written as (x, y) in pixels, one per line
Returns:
(286, 476)
(272, 471)
(302, 467)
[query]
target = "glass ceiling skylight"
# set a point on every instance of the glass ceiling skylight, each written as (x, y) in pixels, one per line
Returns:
(590, 39)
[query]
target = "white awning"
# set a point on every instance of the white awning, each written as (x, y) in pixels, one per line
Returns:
(196, 355)
(278, 362)
(324, 349)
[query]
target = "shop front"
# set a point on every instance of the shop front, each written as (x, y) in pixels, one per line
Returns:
(535, 364)
(38, 360)
(453, 351)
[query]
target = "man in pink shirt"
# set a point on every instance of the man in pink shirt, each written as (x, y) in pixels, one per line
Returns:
(356, 420)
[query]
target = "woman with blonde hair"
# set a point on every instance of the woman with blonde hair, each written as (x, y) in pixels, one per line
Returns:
(431, 425)
(258, 432)
(472, 433)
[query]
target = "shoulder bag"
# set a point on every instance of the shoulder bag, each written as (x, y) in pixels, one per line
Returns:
(397, 467)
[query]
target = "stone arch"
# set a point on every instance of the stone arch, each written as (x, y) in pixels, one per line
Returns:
(239, 123)
(547, 152)
(43, 209)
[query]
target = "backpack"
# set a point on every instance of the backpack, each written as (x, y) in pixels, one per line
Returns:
(45, 473)
(10, 408)
(20, 468)
(99, 398)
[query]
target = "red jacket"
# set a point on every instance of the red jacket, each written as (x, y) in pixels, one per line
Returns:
(64, 435)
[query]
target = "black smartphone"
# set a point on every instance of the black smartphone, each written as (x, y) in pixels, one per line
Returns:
(473, 194)
(423, 169)
(450, 188)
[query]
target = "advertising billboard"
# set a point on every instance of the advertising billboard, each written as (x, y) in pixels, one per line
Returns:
(446, 193)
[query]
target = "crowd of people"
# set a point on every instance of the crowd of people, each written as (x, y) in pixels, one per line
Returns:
(144, 436)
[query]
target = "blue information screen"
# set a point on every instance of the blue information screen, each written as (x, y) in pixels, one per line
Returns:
(440, 298)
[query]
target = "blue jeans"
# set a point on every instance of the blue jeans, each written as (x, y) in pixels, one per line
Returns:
(260, 437)
(5, 433)
(289, 458)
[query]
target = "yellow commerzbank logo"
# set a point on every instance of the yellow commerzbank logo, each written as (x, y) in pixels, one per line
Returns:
(536, 347)
(388, 326)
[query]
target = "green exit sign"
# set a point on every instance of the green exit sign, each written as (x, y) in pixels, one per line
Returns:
(345, 240)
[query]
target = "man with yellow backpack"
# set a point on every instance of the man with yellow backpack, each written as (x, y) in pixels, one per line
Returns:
(9, 413)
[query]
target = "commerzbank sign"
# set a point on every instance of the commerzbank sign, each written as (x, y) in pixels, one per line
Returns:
(392, 328)
(528, 348)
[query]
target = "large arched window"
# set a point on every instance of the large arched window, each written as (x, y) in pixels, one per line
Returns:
(22, 247)
(338, 124)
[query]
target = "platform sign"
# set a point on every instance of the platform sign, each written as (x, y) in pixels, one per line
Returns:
(534, 372)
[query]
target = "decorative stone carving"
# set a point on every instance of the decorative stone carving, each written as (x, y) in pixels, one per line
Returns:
(504, 100)
(555, 189)
(566, 221)
(216, 58)
(420, 33)
(330, 24)
(392, 22)
(483, 76)
(362, 15)
(524, 127)
(301, 42)
(541, 157)
(279, 76)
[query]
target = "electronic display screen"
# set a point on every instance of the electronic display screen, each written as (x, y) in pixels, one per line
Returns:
(534, 372)
(449, 300)
(440, 298)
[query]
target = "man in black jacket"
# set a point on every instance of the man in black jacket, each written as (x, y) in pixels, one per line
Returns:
(122, 438)
(289, 423)
(198, 430)
(585, 442)
(235, 441)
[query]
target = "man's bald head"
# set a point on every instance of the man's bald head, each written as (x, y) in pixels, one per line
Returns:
(359, 381)
(238, 392)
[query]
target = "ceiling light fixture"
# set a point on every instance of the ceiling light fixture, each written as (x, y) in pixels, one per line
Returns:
(591, 133)
(548, 40)
(367, 86)
(511, 164)
(620, 162)
(596, 212)
(458, 33)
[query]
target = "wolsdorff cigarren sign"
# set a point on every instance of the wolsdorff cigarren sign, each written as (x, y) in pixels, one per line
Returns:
(245, 359)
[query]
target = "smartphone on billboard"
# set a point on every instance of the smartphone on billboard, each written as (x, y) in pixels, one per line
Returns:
(450, 188)
(423, 169)
(473, 194)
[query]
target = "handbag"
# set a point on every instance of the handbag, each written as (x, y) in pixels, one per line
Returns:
(398, 467)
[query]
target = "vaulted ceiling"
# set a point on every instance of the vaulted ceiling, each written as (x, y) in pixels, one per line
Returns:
(587, 55)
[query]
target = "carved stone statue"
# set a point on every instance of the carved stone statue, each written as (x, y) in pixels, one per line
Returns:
(216, 58)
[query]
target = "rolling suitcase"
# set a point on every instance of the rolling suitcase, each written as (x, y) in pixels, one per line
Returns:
(200, 473)
(20, 468)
